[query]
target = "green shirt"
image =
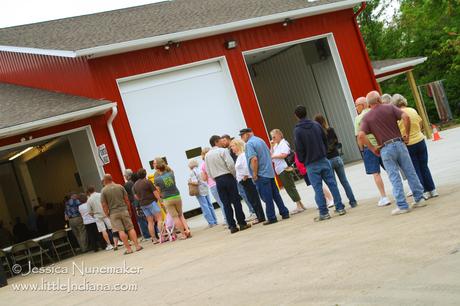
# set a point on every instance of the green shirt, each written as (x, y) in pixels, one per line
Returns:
(358, 120)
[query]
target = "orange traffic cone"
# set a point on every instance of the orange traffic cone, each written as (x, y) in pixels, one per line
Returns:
(436, 135)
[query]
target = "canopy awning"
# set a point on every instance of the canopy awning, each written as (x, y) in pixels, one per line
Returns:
(24, 109)
(387, 69)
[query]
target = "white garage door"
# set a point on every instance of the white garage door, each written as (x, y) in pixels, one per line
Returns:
(173, 112)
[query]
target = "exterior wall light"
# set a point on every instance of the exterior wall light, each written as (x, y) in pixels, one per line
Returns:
(287, 22)
(230, 44)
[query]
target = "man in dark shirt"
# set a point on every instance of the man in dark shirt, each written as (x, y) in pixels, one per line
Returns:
(311, 149)
(382, 121)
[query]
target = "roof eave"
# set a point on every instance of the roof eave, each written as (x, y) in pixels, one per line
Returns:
(156, 41)
(55, 120)
(396, 67)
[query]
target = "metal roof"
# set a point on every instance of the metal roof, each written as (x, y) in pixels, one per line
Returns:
(96, 32)
(25, 107)
(386, 69)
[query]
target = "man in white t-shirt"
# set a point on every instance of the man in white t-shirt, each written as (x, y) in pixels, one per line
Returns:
(279, 150)
(102, 221)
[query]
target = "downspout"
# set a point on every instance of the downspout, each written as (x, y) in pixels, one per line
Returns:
(114, 138)
(363, 45)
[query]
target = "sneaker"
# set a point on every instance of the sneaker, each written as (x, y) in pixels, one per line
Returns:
(285, 217)
(244, 227)
(109, 247)
(420, 203)
(322, 218)
(409, 194)
(341, 212)
(353, 205)
(120, 243)
(330, 204)
(234, 230)
(268, 222)
(399, 211)
(426, 195)
(384, 201)
(251, 217)
(434, 193)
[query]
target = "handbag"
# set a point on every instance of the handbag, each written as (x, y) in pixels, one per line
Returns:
(193, 189)
(290, 159)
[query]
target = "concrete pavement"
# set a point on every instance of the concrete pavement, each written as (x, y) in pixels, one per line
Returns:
(366, 257)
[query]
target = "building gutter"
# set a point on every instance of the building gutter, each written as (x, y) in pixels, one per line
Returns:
(114, 138)
(160, 40)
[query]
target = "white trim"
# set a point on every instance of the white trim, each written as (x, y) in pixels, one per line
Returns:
(166, 70)
(56, 120)
(387, 77)
(49, 52)
(155, 41)
(342, 76)
(403, 65)
(113, 136)
(93, 145)
(89, 133)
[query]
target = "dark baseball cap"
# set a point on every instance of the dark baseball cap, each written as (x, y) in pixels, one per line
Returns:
(245, 130)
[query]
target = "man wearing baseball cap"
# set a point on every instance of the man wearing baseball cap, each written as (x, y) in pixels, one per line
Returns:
(261, 169)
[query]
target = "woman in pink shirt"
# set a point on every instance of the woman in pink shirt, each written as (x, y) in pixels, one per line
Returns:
(303, 172)
(211, 184)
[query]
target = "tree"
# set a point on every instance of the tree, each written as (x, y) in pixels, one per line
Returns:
(428, 28)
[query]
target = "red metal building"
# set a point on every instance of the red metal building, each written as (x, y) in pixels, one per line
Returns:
(161, 68)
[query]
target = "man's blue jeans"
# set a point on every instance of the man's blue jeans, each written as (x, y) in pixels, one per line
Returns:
(207, 209)
(269, 193)
(318, 172)
(394, 157)
(339, 168)
(143, 225)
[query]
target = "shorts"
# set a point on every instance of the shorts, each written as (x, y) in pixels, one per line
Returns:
(121, 221)
(173, 206)
(151, 209)
(372, 162)
(103, 224)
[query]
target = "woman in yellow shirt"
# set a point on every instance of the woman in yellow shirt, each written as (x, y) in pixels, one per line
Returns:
(417, 147)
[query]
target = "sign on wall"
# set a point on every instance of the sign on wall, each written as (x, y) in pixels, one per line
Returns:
(103, 154)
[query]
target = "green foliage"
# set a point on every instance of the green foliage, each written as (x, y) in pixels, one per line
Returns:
(428, 28)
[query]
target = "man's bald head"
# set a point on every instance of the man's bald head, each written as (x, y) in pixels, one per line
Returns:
(373, 98)
(107, 179)
(360, 104)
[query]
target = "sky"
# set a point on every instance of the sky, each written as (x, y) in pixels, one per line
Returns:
(17, 12)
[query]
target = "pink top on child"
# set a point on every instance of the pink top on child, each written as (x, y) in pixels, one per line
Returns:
(211, 182)
(300, 166)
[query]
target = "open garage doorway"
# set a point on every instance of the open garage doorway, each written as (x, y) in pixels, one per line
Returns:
(37, 175)
(308, 73)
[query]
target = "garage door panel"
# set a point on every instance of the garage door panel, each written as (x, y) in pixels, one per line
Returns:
(180, 112)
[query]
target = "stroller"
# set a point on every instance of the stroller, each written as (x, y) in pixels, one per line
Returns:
(167, 232)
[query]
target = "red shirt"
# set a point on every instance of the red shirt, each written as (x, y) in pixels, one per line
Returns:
(382, 121)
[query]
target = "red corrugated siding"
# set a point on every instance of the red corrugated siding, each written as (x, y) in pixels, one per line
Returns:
(96, 78)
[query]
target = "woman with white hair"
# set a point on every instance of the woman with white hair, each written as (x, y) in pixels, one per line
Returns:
(416, 146)
(280, 150)
(203, 193)
(386, 98)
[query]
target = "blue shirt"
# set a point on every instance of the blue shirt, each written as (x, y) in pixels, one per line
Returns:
(71, 208)
(256, 147)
